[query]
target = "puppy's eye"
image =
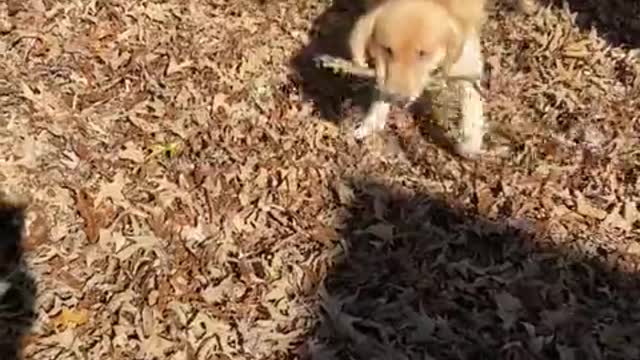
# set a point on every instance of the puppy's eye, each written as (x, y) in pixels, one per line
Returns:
(388, 51)
(422, 54)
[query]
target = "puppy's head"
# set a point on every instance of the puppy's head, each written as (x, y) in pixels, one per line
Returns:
(407, 40)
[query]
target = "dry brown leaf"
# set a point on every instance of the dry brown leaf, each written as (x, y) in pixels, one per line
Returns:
(117, 58)
(634, 248)
(325, 235)
(228, 289)
(158, 12)
(616, 220)
(113, 190)
(132, 152)
(155, 346)
(145, 242)
(631, 213)
(382, 231)
(485, 200)
(220, 101)
(168, 191)
(508, 308)
(141, 123)
(64, 339)
(111, 241)
(345, 193)
(29, 153)
(585, 207)
(566, 352)
(174, 67)
(38, 5)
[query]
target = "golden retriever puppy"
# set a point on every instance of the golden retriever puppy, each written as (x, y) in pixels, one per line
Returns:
(407, 40)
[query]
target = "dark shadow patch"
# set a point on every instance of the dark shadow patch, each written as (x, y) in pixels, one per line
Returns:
(421, 279)
(618, 21)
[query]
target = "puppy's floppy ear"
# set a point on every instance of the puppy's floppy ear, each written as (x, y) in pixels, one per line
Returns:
(454, 45)
(360, 36)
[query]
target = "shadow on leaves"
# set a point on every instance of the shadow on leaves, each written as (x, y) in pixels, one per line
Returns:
(420, 279)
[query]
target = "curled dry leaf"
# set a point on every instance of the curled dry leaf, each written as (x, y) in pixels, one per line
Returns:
(508, 308)
(228, 289)
(85, 206)
(144, 242)
(586, 208)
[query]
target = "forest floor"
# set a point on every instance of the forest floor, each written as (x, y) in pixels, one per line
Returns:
(195, 192)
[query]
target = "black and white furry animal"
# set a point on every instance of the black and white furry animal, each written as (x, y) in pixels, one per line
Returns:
(11, 234)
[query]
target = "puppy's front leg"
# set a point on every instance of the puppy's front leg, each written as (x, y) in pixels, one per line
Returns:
(375, 119)
(471, 63)
(473, 122)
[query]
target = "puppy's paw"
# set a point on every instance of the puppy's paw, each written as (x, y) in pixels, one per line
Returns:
(470, 149)
(362, 131)
(372, 123)
(360, 61)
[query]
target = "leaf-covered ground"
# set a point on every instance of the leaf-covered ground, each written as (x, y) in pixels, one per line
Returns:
(194, 191)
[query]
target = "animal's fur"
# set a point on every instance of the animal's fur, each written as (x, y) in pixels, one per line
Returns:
(407, 40)
(11, 227)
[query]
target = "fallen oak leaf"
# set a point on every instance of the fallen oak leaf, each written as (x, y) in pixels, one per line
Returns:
(155, 346)
(111, 240)
(132, 152)
(227, 289)
(113, 190)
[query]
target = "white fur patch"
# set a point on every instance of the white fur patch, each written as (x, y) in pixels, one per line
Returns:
(4, 287)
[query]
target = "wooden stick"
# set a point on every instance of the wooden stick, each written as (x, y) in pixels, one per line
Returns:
(342, 66)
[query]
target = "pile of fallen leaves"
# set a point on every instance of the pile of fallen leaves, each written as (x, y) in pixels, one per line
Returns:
(194, 191)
